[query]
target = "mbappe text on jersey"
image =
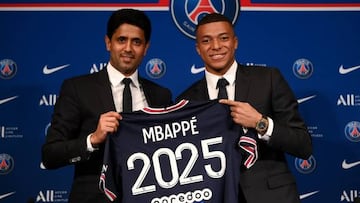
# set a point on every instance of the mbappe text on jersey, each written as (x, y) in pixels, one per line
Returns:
(170, 131)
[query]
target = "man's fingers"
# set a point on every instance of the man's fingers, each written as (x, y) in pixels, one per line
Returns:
(228, 102)
(113, 114)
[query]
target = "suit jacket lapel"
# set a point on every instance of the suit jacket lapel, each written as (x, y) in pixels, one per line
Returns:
(242, 84)
(201, 91)
(103, 91)
(147, 91)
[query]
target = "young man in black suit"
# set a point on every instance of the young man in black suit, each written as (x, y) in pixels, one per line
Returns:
(87, 108)
(259, 98)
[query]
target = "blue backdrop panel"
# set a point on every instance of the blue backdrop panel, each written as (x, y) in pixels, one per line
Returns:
(315, 44)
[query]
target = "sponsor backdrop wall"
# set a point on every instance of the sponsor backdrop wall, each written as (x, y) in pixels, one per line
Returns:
(315, 44)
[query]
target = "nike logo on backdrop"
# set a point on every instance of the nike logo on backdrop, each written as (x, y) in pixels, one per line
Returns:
(308, 194)
(47, 70)
(42, 166)
(305, 99)
(3, 101)
(346, 165)
(6, 195)
(195, 70)
(343, 70)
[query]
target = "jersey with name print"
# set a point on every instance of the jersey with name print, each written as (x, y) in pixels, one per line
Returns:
(187, 152)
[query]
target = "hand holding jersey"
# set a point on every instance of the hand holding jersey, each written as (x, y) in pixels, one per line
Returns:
(108, 123)
(186, 151)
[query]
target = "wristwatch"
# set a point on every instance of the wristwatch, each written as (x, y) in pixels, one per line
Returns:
(262, 125)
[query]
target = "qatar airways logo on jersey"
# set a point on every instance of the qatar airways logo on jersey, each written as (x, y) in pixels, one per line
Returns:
(186, 14)
(170, 131)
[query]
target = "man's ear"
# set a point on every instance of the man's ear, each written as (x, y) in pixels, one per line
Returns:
(236, 42)
(146, 47)
(197, 48)
(107, 42)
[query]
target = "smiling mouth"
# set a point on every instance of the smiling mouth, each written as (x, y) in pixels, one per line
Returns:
(127, 55)
(127, 58)
(217, 56)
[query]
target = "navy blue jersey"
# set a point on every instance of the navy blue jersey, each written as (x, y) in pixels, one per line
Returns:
(185, 153)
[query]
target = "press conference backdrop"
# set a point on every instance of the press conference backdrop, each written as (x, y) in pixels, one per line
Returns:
(315, 44)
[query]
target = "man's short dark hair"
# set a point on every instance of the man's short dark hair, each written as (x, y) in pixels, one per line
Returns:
(213, 17)
(130, 16)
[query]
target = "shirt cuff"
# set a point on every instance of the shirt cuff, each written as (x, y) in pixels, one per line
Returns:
(89, 146)
(269, 131)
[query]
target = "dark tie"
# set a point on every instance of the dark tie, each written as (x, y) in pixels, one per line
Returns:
(127, 100)
(221, 85)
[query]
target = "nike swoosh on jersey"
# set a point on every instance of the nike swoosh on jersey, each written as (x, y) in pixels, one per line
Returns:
(343, 70)
(195, 70)
(308, 194)
(6, 195)
(47, 70)
(302, 100)
(346, 165)
(2, 101)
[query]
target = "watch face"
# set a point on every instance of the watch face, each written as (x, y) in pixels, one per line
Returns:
(262, 125)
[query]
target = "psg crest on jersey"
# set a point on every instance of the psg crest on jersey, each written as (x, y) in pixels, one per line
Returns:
(187, 13)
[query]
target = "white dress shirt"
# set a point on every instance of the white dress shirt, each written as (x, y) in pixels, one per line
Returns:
(212, 79)
(117, 88)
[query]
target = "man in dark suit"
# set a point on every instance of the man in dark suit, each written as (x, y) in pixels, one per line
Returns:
(87, 108)
(259, 98)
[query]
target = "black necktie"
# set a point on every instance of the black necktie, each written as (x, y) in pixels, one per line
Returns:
(221, 85)
(127, 100)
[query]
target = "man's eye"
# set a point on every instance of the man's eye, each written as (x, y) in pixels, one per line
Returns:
(137, 42)
(224, 38)
(122, 39)
(205, 41)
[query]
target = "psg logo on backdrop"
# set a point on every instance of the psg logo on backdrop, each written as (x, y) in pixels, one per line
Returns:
(303, 68)
(8, 68)
(187, 13)
(352, 131)
(305, 166)
(155, 68)
(6, 164)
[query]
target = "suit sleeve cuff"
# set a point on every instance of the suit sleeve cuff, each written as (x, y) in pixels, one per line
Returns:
(89, 146)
